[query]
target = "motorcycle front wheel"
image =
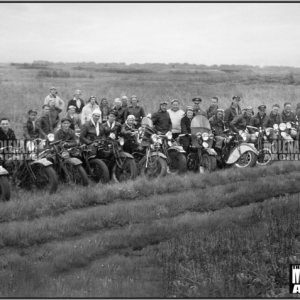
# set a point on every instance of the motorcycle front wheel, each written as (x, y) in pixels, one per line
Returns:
(264, 157)
(77, 174)
(100, 172)
(247, 159)
(209, 163)
(156, 168)
(46, 178)
(4, 188)
(178, 163)
(128, 171)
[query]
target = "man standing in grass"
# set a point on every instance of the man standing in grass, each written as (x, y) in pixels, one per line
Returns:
(75, 120)
(136, 110)
(124, 100)
(232, 111)
(58, 102)
(287, 115)
(176, 114)
(77, 102)
(44, 122)
(119, 110)
(197, 110)
(161, 119)
(211, 111)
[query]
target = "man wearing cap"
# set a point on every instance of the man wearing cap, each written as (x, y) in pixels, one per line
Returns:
(44, 122)
(232, 111)
(274, 116)
(124, 100)
(30, 129)
(211, 111)
(77, 102)
(136, 110)
(58, 102)
(112, 126)
(93, 129)
(161, 119)
(287, 115)
(66, 134)
(197, 110)
(88, 109)
(119, 110)
(240, 122)
(176, 114)
(260, 119)
(186, 127)
(75, 120)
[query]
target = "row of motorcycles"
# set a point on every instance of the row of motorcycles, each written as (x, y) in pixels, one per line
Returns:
(45, 163)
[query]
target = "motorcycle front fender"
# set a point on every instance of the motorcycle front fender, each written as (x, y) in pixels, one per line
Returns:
(3, 171)
(239, 150)
(159, 154)
(44, 162)
(92, 157)
(125, 154)
(73, 161)
(176, 148)
(210, 151)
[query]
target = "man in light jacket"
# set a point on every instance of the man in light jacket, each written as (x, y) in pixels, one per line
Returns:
(176, 114)
(58, 102)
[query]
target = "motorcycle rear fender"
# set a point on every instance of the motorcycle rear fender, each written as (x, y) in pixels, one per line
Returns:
(73, 161)
(236, 153)
(210, 151)
(159, 154)
(92, 157)
(3, 171)
(176, 148)
(125, 154)
(43, 161)
(142, 161)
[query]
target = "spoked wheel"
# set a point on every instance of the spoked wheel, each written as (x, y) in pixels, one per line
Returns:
(77, 174)
(126, 172)
(100, 172)
(46, 178)
(247, 159)
(264, 157)
(4, 188)
(156, 168)
(178, 164)
(209, 163)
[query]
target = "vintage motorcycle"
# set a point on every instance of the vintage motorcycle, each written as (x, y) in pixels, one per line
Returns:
(26, 169)
(201, 156)
(69, 169)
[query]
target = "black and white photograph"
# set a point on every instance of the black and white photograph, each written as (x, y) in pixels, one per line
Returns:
(149, 150)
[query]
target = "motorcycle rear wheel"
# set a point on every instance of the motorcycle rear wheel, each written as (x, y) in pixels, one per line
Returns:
(127, 172)
(178, 163)
(156, 168)
(4, 188)
(45, 178)
(247, 159)
(264, 157)
(209, 163)
(100, 172)
(77, 174)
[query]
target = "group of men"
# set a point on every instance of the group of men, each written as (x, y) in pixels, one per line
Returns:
(95, 120)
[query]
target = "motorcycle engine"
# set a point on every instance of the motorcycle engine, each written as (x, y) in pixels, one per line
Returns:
(192, 161)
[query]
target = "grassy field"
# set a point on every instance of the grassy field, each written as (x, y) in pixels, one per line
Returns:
(227, 234)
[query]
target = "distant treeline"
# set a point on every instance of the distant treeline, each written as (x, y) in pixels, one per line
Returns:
(114, 70)
(62, 74)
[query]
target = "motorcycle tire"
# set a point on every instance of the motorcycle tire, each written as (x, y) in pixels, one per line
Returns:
(51, 176)
(160, 162)
(119, 174)
(251, 160)
(209, 162)
(261, 161)
(179, 159)
(103, 175)
(4, 188)
(82, 174)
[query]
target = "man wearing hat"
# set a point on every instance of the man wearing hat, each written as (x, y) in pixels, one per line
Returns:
(58, 102)
(161, 120)
(30, 129)
(176, 114)
(197, 110)
(287, 115)
(232, 111)
(112, 126)
(119, 110)
(260, 119)
(77, 102)
(240, 122)
(186, 127)
(136, 110)
(65, 133)
(75, 120)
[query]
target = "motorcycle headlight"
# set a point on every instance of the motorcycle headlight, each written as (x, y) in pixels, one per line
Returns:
(30, 146)
(159, 140)
(169, 135)
(205, 136)
(154, 138)
(288, 125)
(268, 131)
(112, 136)
(198, 135)
(275, 126)
(205, 145)
(170, 144)
(50, 137)
(282, 127)
(256, 133)
(65, 154)
(121, 141)
(244, 136)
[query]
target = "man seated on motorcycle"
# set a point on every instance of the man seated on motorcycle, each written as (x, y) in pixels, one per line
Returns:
(218, 126)
(260, 119)
(186, 128)
(128, 131)
(287, 115)
(30, 129)
(111, 127)
(66, 134)
(161, 120)
(274, 116)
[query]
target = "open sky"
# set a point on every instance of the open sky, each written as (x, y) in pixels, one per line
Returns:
(201, 33)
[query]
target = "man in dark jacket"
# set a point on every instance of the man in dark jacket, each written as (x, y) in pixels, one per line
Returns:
(112, 126)
(7, 135)
(44, 122)
(287, 115)
(232, 111)
(240, 122)
(186, 127)
(66, 134)
(211, 111)
(136, 110)
(128, 132)
(30, 128)
(161, 120)
(260, 119)
(217, 125)
(120, 118)
(274, 116)
(197, 110)
(77, 102)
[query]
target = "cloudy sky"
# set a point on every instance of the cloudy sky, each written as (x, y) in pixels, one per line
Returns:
(200, 33)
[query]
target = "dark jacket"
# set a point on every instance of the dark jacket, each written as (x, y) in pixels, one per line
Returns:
(73, 102)
(116, 129)
(211, 111)
(217, 125)
(44, 124)
(240, 122)
(9, 136)
(74, 121)
(230, 113)
(68, 136)
(274, 119)
(126, 131)
(54, 116)
(29, 132)
(288, 118)
(186, 125)
(121, 115)
(162, 121)
(137, 111)
(258, 121)
(199, 111)
(105, 111)
(88, 132)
